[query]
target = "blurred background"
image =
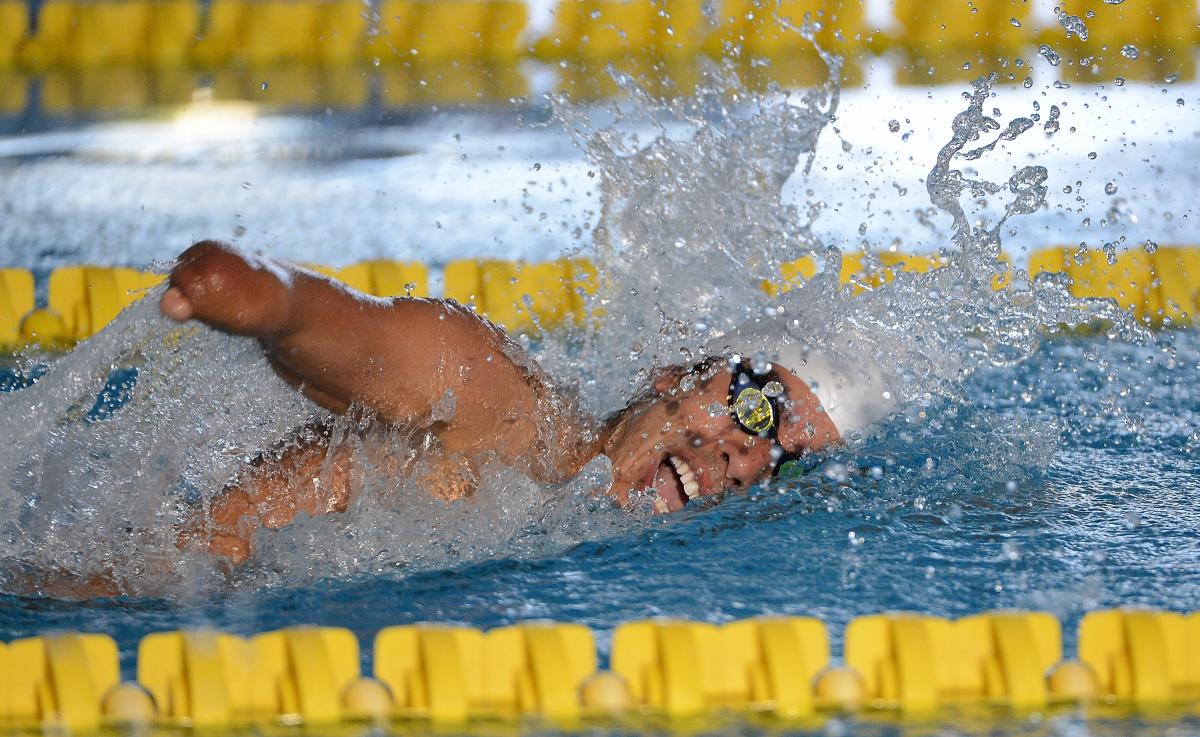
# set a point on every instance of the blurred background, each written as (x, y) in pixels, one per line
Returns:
(339, 132)
(87, 59)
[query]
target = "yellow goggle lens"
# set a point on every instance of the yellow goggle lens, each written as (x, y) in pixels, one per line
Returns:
(753, 410)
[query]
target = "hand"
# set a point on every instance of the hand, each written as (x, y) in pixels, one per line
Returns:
(304, 479)
(228, 290)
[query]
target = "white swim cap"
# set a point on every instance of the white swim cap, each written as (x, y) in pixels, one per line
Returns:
(852, 387)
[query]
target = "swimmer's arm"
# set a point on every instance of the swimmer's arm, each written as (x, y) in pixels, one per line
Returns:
(306, 478)
(410, 360)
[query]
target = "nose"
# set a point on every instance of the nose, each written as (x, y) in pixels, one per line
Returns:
(748, 459)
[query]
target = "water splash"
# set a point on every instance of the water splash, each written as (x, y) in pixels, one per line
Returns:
(692, 221)
(979, 245)
(202, 405)
(694, 217)
(1073, 25)
(1050, 55)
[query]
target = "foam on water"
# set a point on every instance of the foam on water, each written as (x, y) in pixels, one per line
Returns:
(692, 221)
(203, 406)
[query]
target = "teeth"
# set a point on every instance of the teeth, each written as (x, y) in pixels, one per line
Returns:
(686, 476)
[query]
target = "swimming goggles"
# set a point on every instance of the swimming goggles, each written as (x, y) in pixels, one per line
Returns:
(754, 404)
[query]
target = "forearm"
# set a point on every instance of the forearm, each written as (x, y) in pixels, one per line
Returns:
(422, 362)
(305, 479)
(399, 357)
(320, 335)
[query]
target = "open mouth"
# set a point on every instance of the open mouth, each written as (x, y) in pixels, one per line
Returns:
(674, 485)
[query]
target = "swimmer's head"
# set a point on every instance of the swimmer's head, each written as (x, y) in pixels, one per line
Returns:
(704, 429)
(765, 396)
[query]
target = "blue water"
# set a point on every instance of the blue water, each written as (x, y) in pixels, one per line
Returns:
(1052, 485)
(1065, 483)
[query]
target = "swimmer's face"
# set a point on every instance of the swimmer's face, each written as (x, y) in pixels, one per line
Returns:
(683, 443)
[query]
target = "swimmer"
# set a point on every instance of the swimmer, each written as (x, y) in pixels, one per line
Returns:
(471, 393)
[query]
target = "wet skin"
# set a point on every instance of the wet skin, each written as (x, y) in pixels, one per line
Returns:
(687, 418)
(398, 359)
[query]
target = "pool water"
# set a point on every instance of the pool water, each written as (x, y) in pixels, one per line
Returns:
(1080, 498)
(1029, 466)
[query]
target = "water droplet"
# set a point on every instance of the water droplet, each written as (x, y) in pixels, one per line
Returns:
(1027, 83)
(773, 389)
(1150, 246)
(1049, 55)
(537, 167)
(1092, 155)
(1051, 127)
(1132, 519)
(1114, 2)
(1073, 24)
(894, 126)
(265, 85)
(246, 185)
(1193, 441)
(688, 383)
(837, 472)
(1016, 23)
(1119, 81)
(716, 409)
(1179, 101)
(1171, 78)
(1129, 51)
(1110, 188)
